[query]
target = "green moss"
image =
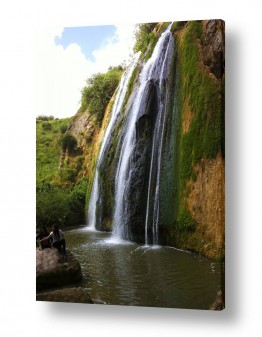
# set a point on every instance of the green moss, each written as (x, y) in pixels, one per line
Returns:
(131, 83)
(178, 25)
(203, 95)
(205, 135)
(152, 43)
(185, 222)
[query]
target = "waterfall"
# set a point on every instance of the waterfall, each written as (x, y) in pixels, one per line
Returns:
(115, 113)
(156, 157)
(153, 85)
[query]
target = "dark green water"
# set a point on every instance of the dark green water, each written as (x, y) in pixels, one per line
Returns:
(123, 273)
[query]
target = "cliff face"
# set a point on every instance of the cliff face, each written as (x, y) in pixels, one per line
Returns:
(205, 203)
(88, 134)
(191, 183)
(200, 165)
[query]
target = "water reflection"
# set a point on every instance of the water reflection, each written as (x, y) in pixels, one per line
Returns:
(129, 274)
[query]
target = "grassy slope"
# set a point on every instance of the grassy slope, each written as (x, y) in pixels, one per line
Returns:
(48, 149)
(57, 201)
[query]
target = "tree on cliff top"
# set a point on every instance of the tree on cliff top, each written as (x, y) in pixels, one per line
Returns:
(143, 36)
(99, 90)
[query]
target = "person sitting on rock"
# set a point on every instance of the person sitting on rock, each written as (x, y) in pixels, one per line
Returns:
(58, 239)
(42, 236)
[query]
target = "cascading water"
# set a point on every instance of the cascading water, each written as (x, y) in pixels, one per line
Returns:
(122, 90)
(156, 156)
(147, 112)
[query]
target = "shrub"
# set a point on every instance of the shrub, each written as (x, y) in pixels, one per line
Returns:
(98, 92)
(68, 174)
(143, 36)
(79, 162)
(68, 142)
(44, 118)
(64, 205)
(47, 126)
(63, 128)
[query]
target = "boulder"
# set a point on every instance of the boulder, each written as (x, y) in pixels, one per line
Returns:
(71, 295)
(54, 271)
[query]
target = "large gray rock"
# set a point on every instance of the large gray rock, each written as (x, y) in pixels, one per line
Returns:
(71, 295)
(53, 271)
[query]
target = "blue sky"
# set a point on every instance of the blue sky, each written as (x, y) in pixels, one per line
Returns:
(67, 57)
(88, 38)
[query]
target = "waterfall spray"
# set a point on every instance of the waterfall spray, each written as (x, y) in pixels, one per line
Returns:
(115, 113)
(156, 71)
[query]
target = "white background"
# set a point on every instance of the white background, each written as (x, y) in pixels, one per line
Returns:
(20, 314)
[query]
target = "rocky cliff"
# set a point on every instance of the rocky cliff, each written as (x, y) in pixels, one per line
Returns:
(193, 165)
(200, 160)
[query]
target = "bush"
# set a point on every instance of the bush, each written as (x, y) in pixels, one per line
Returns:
(68, 174)
(45, 118)
(65, 206)
(63, 128)
(98, 92)
(69, 142)
(143, 36)
(79, 162)
(47, 126)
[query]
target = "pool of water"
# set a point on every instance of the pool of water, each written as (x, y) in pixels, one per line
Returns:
(125, 273)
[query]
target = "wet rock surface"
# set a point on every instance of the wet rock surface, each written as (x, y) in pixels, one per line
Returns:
(70, 295)
(53, 270)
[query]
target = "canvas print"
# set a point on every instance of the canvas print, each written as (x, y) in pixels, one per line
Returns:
(130, 165)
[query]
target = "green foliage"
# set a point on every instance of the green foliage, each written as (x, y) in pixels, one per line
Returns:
(205, 137)
(143, 36)
(178, 25)
(63, 128)
(196, 28)
(68, 174)
(57, 200)
(152, 43)
(69, 142)
(79, 162)
(46, 126)
(44, 118)
(206, 133)
(98, 92)
(61, 205)
(185, 221)
(48, 149)
(197, 91)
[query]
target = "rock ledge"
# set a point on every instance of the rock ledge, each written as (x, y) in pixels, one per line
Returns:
(53, 271)
(70, 295)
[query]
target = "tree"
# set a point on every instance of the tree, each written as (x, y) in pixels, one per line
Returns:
(143, 36)
(99, 90)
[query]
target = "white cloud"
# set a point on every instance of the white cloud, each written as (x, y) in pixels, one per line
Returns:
(62, 72)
